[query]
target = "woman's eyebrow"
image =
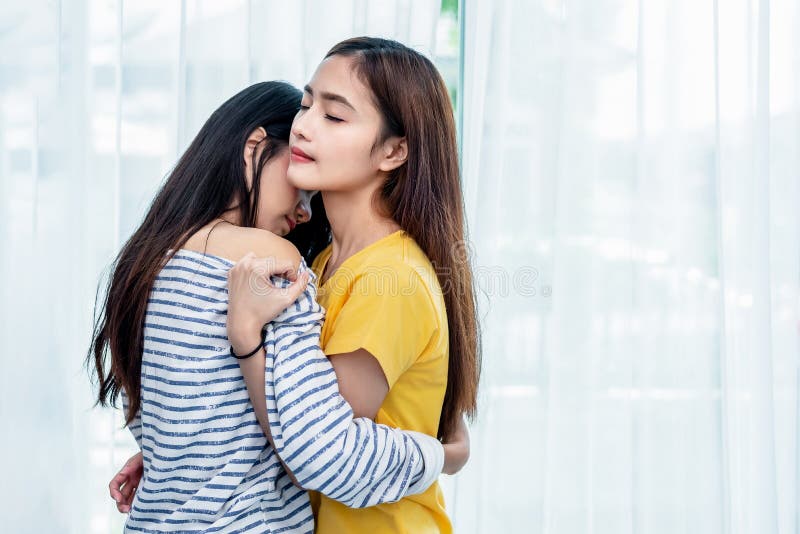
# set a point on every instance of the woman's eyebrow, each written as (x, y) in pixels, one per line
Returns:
(325, 95)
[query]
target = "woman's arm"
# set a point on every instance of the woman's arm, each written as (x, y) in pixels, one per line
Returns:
(361, 381)
(313, 429)
(253, 301)
(363, 385)
(456, 449)
(309, 423)
(123, 486)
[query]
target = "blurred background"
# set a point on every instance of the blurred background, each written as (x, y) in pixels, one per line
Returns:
(632, 178)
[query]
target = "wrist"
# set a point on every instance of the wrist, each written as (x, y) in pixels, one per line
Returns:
(244, 339)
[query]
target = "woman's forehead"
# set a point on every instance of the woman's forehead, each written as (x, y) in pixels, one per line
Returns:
(337, 77)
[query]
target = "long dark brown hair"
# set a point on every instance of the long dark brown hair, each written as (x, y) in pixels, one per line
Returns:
(206, 181)
(424, 195)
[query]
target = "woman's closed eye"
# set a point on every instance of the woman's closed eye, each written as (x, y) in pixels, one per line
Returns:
(328, 116)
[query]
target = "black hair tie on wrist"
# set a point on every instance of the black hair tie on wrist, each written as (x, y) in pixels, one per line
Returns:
(263, 339)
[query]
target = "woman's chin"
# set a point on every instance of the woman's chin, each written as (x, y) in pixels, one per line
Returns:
(297, 178)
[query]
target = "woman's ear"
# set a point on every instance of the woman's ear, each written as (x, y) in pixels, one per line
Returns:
(394, 153)
(256, 137)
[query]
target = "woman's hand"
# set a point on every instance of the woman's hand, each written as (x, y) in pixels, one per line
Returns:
(456, 449)
(253, 300)
(123, 486)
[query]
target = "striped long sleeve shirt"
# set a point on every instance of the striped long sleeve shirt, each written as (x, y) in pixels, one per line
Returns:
(207, 465)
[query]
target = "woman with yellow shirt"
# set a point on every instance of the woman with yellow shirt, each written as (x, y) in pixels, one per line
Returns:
(376, 135)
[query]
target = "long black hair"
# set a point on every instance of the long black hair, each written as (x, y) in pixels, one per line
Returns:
(208, 178)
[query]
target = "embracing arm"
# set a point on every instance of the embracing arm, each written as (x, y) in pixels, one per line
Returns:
(310, 424)
(363, 385)
(313, 429)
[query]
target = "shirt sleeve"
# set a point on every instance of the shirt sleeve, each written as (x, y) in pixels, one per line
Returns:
(389, 313)
(135, 427)
(354, 461)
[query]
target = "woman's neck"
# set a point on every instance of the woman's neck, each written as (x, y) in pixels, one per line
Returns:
(355, 223)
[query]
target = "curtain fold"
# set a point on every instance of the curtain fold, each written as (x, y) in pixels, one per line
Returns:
(632, 180)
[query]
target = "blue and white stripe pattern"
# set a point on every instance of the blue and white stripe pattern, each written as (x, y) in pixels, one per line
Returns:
(207, 464)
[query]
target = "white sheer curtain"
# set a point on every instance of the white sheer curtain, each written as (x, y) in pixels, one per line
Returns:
(97, 99)
(633, 178)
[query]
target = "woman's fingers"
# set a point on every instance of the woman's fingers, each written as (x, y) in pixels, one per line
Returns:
(124, 505)
(122, 490)
(254, 299)
(251, 269)
(127, 492)
(123, 508)
(276, 267)
(285, 296)
(297, 287)
(123, 486)
(116, 483)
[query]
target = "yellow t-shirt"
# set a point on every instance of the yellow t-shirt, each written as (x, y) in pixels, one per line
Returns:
(387, 300)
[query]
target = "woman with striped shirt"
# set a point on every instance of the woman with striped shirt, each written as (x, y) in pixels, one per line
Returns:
(161, 343)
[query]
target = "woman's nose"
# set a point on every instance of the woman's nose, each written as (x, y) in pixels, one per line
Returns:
(302, 212)
(298, 129)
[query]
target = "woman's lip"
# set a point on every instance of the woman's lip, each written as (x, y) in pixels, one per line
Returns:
(292, 224)
(300, 157)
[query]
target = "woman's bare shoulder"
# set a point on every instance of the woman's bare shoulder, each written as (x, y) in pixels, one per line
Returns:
(233, 242)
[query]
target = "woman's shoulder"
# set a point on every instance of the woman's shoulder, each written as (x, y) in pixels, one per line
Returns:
(401, 253)
(234, 242)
